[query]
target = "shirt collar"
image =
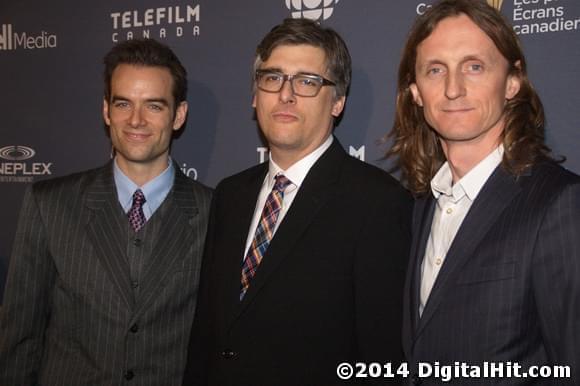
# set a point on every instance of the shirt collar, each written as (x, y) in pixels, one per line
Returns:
(155, 190)
(471, 183)
(298, 171)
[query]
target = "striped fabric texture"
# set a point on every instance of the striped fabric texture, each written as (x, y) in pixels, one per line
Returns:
(264, 232)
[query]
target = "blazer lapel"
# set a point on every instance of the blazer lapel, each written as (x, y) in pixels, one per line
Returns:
(105, 231)
(173, 242)
(242, 209)
(495, 196)
(314, 192)
(422, 219)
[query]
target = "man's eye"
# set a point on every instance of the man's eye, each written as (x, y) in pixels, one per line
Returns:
(121, 105)
(308, 82)
(271, 78)
(155, 107)
(434, 71)
(475, 67)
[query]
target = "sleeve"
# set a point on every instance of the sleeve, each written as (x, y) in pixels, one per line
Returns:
(26, 305)
(380, 265)
(556, 281)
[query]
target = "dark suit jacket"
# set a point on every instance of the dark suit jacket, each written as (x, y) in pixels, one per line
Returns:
(69, 315)
(509, 289)
(328, 289)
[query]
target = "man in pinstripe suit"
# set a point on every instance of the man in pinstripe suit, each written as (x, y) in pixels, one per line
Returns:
(494, 270)
(92, 298)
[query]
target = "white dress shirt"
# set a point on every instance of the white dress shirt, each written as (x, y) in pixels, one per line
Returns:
(453, 203)
(296, 174)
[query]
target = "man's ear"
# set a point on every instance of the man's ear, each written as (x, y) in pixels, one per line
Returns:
(180, 115)
(338, 106)
(416, 94)
(514, 82)
(106, 112)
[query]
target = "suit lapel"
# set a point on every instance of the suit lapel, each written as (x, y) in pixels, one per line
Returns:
(495, 196)
(241, 210)
(314, 192)
(105, 231)
(422, 219)
(174, 239)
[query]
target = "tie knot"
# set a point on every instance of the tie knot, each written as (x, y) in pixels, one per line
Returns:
(138, 197)
(281, 182)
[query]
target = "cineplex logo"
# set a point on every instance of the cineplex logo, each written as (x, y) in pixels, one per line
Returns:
(12, 40)
(13, 167)
(311, 9)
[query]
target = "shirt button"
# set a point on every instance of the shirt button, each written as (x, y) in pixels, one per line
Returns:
(129, 375)
(228, 354)
(134, 328)
(416, 380)
(137, 242)
(134, 284)
(449, 210)
(438, 261)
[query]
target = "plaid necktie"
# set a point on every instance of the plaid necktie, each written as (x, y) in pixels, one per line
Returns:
(264, 232)
(135, 214)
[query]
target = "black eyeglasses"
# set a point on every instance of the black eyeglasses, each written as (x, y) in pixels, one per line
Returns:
(305, 85)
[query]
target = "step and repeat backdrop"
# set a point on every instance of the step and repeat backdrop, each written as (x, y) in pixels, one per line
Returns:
(51, 86)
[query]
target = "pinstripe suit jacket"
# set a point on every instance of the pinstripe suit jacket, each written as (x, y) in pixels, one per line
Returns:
(509, 289)
(69, 315)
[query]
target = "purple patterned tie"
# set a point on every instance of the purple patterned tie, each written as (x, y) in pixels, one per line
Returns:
(264, 232)
(135, 214)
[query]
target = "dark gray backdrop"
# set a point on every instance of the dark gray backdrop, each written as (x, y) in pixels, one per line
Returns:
(51, 83)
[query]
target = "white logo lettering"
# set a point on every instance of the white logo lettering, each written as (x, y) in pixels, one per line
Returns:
(357, 153)
(10, 40)
(142, 23)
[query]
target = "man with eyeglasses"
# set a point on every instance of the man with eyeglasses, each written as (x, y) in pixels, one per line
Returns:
(305, 257)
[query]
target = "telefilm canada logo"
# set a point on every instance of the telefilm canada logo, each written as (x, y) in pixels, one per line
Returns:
(176, 21)
(16, 165)
(11, 39)
(311, 9)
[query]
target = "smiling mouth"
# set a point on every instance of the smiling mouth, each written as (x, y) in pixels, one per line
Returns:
(137, 137)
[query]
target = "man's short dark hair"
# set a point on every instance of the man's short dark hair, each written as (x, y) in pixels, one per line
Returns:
(305, 31)
(148, 53)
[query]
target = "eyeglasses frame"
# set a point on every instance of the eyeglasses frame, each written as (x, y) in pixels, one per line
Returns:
(286, 77)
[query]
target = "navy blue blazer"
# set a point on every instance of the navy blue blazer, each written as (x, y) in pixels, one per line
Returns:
(509, 289)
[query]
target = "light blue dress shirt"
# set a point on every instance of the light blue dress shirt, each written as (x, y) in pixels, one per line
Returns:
(155, 190)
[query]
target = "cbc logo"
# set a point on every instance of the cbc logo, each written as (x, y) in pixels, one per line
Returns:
(311, 9)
